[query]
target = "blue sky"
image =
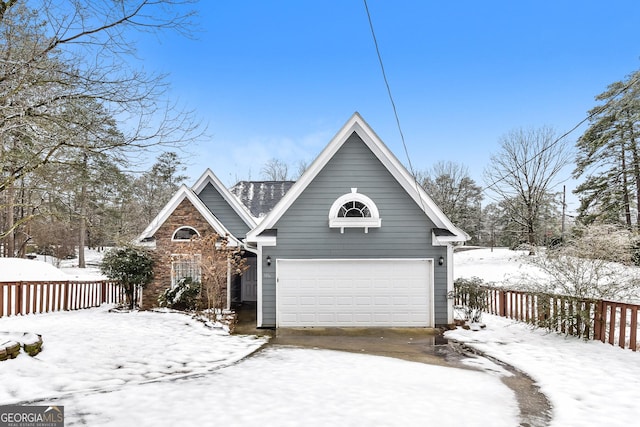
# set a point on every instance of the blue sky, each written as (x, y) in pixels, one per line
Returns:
(279, 78)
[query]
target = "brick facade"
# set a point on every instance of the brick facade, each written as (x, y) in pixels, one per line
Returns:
(184, 215)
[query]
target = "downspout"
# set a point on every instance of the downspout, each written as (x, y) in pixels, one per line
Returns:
(228, 284)
(450, 286)
(259, 313)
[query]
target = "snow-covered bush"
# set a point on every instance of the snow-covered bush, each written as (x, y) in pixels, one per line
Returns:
(471, 298)
(185, 296)
(597, 263)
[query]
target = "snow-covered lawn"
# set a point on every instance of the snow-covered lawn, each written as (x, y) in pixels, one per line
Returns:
(501, 266)
(588, 383)
(165, 369)
(45, 268)
(98, 349)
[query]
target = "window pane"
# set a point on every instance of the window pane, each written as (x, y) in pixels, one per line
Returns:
(184, 266)
(184, 233)
(354, 209)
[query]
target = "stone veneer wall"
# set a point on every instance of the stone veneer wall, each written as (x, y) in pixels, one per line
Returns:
(184, 215)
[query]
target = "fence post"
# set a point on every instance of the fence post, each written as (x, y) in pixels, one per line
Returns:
(103, 290)
(597, 322)
(503, 303)
(18, 307)
(622, 337)
(634, 328)
(65, 301)
(612, 323)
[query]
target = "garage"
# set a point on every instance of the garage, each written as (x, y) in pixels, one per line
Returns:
(354, 293)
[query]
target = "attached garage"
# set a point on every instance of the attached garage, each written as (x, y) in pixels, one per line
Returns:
(354, 293)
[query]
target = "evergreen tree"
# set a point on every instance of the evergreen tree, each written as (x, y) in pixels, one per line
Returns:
(609, 148)
(153, 189)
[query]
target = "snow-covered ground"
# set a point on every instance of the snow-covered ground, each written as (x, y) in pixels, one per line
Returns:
(153, 368)
(588, 383)
(46, 268)
(166, 369)
(500, 266)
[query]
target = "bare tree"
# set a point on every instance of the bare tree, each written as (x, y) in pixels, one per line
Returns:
(301, 167)
(456, 193)
(63, 57)
(275, 170)
(523, 174)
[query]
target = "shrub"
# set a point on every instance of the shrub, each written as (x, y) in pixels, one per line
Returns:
(131, 266)
(471, 296)
(592, 264)
(185, 296)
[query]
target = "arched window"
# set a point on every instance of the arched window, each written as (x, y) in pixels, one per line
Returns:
(354, 210)
(184, 233)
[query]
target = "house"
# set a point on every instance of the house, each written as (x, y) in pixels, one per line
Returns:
(355, 242)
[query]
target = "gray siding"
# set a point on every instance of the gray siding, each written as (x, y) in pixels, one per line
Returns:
(223, 211)
(303, 231)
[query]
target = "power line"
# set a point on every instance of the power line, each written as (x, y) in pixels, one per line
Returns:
(580, 123)
(386, 82)
(548, 147)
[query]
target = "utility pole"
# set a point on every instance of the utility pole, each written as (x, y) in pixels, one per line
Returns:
(564, 208)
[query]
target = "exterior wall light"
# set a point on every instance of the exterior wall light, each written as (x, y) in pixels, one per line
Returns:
(268, 261)
(441, 261)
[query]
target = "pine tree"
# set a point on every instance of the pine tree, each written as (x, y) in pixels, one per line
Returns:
(609, 148)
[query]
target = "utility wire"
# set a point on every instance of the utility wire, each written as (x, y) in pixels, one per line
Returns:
(553, 144)
(386, 82)
(564, 135)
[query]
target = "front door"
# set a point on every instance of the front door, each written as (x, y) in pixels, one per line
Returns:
(249, 279)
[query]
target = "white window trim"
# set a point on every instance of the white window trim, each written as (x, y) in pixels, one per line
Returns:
(335, 221)
(173, 239)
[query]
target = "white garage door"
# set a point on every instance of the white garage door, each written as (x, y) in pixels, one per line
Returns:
(354, 292)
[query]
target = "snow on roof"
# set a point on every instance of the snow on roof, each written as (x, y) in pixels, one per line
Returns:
(260, 196)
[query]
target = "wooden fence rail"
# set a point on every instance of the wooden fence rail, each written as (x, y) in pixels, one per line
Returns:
(43, 297)
(606, 321)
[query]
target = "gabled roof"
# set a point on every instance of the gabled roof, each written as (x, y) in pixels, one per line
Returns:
(260, 196)
(357, 124)
(208, 177)
(185, 193)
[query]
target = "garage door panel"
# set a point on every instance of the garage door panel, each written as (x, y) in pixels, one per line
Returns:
(403, 301)
(344, 317)
(362, 318)
(326, 301)
(359, 283)
(354, 292)
(344, 300)
(366, 301)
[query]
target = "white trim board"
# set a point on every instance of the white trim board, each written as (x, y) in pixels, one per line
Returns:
(208, 177)
(180, 195)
